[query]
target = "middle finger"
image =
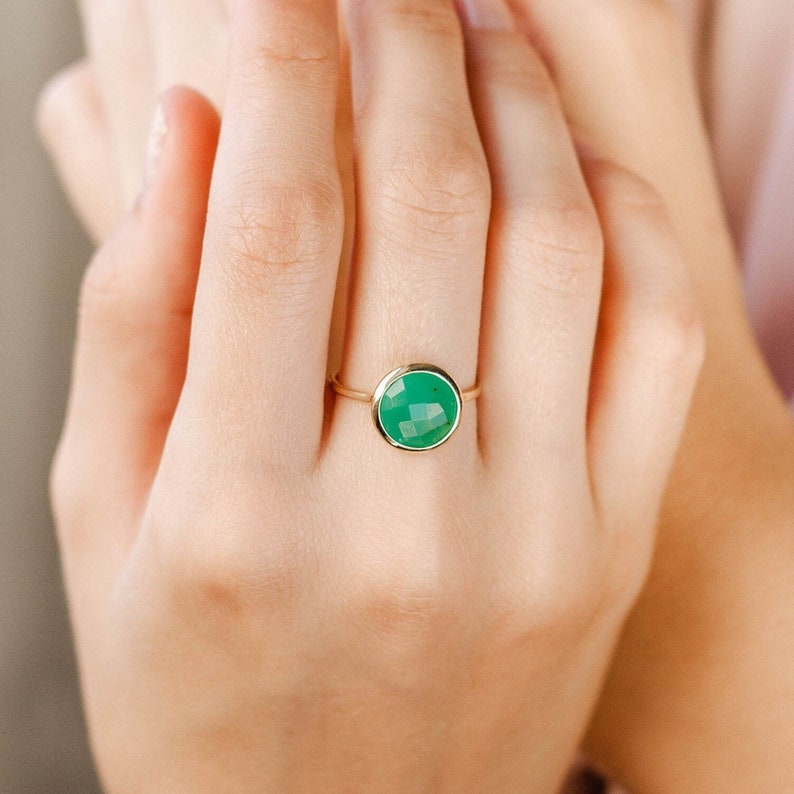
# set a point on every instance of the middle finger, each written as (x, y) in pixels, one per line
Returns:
(424, 197)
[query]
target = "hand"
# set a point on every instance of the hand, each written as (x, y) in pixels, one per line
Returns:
(695, 698)
(265, 595)
(94, 116)
(709, 553)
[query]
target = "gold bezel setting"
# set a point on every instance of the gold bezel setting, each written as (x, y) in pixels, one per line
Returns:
(400, 372)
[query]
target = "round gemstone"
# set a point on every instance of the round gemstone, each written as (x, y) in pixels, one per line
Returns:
(417, 407)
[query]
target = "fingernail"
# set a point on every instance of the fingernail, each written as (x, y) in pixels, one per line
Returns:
(487, 14)
(154, 149)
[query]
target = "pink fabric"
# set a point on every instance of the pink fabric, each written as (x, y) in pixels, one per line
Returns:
(768, 250)
(751, 107)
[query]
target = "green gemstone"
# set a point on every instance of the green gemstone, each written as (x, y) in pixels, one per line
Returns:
(417, 407)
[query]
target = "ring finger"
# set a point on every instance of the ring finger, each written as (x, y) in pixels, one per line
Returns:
(424, 199)
(545, 263)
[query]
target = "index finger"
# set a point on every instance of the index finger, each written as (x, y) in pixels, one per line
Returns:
(274, 235)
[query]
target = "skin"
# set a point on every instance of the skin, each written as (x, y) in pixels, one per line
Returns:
(242, 625)
(697, 698)
(700, 692)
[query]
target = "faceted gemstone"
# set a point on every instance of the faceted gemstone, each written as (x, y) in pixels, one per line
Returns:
(419, 410)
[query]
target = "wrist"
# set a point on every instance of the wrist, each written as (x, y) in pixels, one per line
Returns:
(696, 700)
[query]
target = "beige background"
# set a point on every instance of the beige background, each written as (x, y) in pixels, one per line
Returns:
(42, 252)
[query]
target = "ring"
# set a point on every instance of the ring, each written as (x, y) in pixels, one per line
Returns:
(416, 407)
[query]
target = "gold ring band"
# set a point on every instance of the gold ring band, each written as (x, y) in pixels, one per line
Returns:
(366, 397)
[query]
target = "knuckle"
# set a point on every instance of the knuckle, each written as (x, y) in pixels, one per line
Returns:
(400, 628)
(397, 603)
(626, 188)
(217, 563)
(547, 586)
(671, 335)
(670, 327)
(686, 335)
(427, 16)
(626, 563)
(403, 612)
(548, 603)
(76, 503)
(58, 98)
(661, 18)
(634, 24)
(434, 188)
(106, 290)
(310, 60)
(62, 485)
(563, 245)
(511, 64)
(626, 192)
(274, 236)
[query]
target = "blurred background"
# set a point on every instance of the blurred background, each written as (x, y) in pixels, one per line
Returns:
(42, 254)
